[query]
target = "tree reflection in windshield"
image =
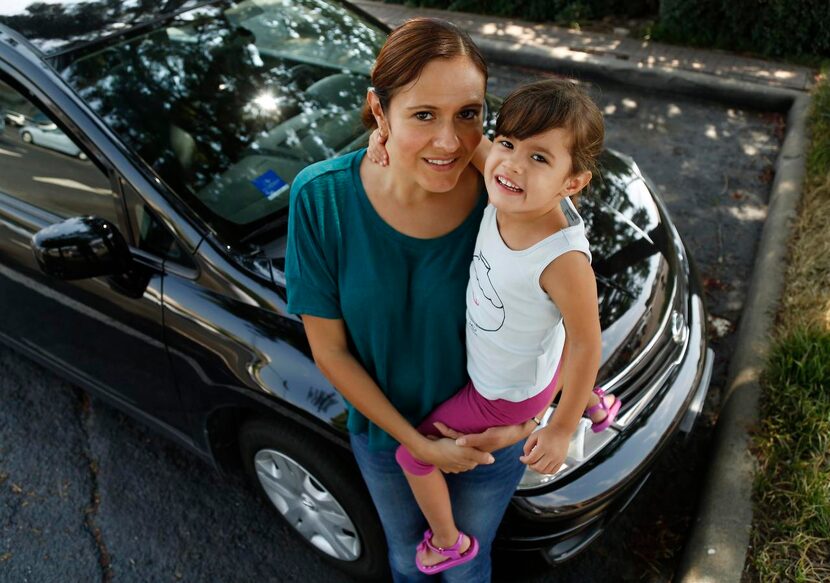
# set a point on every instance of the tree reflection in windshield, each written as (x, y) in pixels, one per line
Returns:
(228, 105)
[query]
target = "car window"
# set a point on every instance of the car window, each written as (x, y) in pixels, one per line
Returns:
(154, 238)
(41, 165)
(150, 233)
(228, 104)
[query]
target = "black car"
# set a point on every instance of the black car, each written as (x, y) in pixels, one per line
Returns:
(150, 270)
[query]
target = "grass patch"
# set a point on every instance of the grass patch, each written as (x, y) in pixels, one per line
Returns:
(791, 530)
(806, 300)
(791, 536)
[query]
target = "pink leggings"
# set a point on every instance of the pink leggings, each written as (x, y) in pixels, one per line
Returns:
(469, 412)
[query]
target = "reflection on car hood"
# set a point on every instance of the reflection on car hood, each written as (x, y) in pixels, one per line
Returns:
(632, 259)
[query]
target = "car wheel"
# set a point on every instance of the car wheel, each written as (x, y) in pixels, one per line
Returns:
(319, 492)
(26, 137)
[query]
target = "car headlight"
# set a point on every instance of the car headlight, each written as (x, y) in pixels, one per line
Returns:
(584, 445)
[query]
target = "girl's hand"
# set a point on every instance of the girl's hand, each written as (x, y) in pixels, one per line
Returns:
(480, 154)
(491, 439)
(450, 458)
(546, 449)
(377, 148)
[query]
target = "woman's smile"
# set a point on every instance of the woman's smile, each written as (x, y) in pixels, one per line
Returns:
(441, 164)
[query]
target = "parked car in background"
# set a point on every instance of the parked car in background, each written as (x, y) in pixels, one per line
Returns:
(14, 118)
(43, 132)
(150, 272)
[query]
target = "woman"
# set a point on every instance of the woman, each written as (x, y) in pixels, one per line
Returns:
(377, 265)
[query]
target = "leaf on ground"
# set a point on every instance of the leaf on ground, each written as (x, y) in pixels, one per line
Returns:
(714, 284)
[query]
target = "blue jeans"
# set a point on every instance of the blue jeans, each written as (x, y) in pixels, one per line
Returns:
(479, 499)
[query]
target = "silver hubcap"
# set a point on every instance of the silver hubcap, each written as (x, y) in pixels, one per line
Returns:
(307, 505)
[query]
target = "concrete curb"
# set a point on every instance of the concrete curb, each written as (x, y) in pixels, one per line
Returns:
(717, 546)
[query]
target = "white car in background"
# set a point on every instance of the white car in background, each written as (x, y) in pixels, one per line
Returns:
(14, 118)
(44, 133)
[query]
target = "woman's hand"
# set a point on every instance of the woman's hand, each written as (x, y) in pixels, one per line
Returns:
(491, 439)
(376, 151)
(451, 458)
(546, 449)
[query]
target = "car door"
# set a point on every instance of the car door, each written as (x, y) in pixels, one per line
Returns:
(103, 333)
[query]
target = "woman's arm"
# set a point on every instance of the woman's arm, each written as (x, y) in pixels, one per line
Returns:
(329, 347)
(578, 303)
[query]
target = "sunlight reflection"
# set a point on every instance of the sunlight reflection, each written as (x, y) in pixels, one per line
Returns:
(267, 102)
(748, 212)
(10, 153)
(779, 74)
(73, 184)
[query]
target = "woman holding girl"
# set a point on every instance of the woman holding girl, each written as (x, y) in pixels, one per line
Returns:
(377, 265)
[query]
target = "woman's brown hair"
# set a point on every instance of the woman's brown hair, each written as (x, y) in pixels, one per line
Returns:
(409, 49)
(555, 103)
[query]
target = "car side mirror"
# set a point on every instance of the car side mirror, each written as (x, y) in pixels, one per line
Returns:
(80, 248)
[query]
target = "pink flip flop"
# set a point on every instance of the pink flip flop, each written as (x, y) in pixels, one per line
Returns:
(454, 558)
(610, 412)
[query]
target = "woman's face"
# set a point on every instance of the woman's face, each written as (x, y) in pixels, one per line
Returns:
(434, 123)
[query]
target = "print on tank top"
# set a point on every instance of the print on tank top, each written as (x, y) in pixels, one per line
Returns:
(487, 310)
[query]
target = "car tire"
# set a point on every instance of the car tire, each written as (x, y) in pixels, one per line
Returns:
(296, 472)
(26, 137)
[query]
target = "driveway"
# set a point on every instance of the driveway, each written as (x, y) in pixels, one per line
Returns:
(87, 494)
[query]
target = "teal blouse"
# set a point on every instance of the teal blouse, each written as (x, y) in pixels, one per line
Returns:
(401, 298)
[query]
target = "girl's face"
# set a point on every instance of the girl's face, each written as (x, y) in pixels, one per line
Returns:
(434, 123)
(531, 176)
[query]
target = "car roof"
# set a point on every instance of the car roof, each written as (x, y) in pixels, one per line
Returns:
(59, 26)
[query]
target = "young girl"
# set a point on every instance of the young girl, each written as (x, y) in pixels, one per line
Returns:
(530, 280)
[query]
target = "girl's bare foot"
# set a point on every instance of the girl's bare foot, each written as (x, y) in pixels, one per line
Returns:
(428, 557)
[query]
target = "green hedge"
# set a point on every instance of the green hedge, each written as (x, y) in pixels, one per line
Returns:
(544, 10)
(768, 27)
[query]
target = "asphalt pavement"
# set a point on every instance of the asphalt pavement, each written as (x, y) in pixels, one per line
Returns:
(87, 494)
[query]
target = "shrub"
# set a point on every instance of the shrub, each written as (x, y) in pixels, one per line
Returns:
(546, 10)
(769, 27)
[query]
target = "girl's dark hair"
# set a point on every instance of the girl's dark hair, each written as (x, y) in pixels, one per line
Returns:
(409, 49)
(555, 103)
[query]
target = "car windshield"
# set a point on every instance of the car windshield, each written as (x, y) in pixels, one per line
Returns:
(228, 102)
